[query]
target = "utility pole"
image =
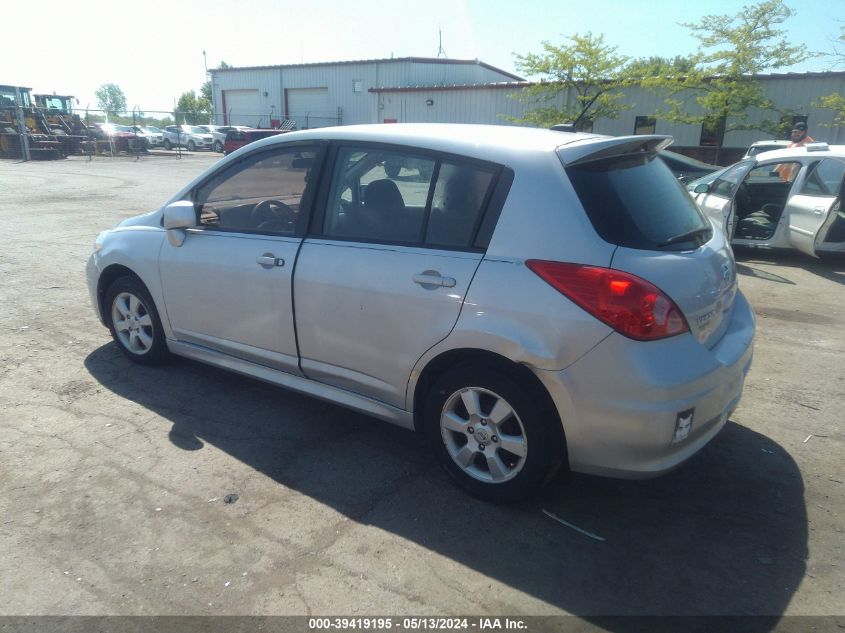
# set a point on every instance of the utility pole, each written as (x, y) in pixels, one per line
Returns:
(211, 105)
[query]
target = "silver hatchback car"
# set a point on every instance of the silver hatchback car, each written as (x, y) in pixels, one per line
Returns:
(527, 299)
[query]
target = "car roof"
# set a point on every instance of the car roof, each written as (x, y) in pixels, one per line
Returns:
(771, 141)
(811, 151)
(482, 141)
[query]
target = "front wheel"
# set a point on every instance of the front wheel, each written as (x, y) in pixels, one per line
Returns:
(192, 146)
(490, 434)
(134, 322)
(218, 147)
(167, 144)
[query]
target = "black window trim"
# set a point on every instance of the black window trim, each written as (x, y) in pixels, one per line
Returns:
(306, 205)
(502, 178)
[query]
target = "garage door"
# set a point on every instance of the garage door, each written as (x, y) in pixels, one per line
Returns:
(310, 107)
(244, 108)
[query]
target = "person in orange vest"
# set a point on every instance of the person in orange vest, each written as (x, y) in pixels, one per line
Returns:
(800, 138)
(799, 135)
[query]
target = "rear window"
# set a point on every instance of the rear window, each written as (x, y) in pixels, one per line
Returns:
(636, 202)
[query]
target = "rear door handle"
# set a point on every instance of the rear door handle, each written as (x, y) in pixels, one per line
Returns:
(433, 279)
(268, 260)
(819, 210)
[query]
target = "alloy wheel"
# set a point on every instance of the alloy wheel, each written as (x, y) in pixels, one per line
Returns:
(483, 435)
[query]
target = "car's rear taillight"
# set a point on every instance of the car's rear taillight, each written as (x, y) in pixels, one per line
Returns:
(630, 305)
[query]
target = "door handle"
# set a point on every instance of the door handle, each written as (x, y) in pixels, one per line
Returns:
(818, 210)
(433, 279)
(268, 260)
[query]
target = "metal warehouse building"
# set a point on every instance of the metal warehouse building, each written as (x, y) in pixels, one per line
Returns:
(418, 89)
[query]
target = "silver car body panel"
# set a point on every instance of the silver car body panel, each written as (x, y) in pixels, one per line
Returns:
(134, 247)
(702, 282)
(217, 294)
(362, 318)
(300, 384)
(621, 422)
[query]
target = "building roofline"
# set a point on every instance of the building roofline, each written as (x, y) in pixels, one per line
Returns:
(506, 85)
(414, 60)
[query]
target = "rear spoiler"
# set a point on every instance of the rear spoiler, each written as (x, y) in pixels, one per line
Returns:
(589, 150)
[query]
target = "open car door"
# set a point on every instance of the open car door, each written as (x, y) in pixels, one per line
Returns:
(718, 202)
(814, 208)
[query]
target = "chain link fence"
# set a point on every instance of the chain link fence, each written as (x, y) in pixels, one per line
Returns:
(53, 126)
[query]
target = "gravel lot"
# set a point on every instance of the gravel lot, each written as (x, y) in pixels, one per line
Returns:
(114, 476)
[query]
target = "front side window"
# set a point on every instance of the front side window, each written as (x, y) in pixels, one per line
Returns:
(825, 179)
(726, 184)
(262, 193)
(397, 197)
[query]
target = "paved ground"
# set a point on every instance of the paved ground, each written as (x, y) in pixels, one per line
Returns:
(114, 476)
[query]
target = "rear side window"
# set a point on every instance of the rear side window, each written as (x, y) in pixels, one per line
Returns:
(826, 179)
(636, 202)
(394, 196)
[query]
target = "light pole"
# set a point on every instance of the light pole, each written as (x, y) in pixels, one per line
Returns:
(211, 104)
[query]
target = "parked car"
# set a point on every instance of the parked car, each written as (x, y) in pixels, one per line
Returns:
(789, 198)
(541, 300)
(192, 137)
(758, 147)
(686, 168)
(218, 135)
(116, 137)
(236, 139)
(153, 136)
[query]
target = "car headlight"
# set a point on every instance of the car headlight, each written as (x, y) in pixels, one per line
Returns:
(100, 240)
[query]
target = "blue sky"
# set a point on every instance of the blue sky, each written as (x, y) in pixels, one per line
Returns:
(154, 51)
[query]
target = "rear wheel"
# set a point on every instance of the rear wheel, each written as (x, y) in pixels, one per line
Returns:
(490, 434)
(134, 322)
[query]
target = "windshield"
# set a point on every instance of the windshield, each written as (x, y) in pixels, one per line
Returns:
(634, 201)
(152, 128)
(196, 129)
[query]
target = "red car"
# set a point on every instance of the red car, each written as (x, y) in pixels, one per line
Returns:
(235, 139)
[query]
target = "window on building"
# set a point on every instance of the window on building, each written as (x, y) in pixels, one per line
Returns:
(645, 125)
(712, 133)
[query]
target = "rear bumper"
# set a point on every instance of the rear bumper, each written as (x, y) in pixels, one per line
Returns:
(620, 403)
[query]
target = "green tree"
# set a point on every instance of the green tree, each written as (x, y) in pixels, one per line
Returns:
(579, 81)
(111, 99)
(191, 109)
(836, 101)
(721, 91)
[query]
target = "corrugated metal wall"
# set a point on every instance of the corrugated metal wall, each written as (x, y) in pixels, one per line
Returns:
(493, 105)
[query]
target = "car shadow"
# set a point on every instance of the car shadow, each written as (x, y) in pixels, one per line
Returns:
(830, 266)
(725, 534)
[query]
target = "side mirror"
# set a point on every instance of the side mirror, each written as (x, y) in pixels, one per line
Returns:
(178, 216)
(702, 188)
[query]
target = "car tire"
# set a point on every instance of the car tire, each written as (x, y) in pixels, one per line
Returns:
(191, 146)
(167, 144)
(134, 322)
(490, 434)
(218, 147)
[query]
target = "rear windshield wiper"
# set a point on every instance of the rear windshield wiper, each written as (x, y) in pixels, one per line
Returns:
(685, 237)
